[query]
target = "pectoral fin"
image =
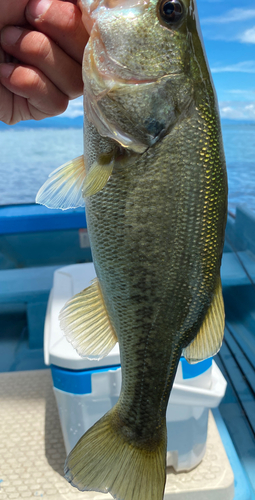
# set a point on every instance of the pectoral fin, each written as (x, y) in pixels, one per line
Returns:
(98, 175)
(63, 189)
(86, 323)
(209, 338)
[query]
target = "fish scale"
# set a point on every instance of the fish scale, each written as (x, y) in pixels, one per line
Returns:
(155, 191)
(148, 235)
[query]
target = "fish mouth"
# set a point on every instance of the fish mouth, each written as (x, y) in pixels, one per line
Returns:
(92, 9)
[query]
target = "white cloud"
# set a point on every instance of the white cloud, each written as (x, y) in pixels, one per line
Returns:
(248, 36)
(213, 29)
(237, 110)
(241, 91)
(74, 109)
(231, 16)
(250, 107)
(241, 67)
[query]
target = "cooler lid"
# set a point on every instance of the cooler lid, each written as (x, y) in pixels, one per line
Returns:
(69, 281)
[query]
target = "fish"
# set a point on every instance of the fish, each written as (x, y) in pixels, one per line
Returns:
(154, 184)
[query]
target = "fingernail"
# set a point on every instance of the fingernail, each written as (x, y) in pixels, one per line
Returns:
(37, 8)
(6, 70)
(9, 36)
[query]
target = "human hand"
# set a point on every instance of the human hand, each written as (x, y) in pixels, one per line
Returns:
(45, 71)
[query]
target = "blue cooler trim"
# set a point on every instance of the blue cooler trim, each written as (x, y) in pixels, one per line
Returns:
(75, 381)
(191, 371)
(79, 381)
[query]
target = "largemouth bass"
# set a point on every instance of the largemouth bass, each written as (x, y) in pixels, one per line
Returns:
(153, 178)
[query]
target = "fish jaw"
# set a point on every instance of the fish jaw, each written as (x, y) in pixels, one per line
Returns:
(107, 98)
(99, 82)
(101, 75)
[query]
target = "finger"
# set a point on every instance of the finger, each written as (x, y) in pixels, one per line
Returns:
(36, 49)
(6, 102)
(2, 56)
(62, 22)
(12, 12)
(43, 97)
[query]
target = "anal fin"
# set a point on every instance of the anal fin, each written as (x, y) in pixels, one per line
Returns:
(209, 338)
(86, 324)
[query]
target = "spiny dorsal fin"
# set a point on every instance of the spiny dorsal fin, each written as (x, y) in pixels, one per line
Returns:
(98, 174)
(209, 338)
(86, 323)
(63, 189)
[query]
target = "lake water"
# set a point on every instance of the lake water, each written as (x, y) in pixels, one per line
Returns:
(28, 156)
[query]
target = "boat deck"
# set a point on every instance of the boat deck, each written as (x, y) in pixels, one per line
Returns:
(32, 452)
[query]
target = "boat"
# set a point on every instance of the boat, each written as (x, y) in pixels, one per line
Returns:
(35, 243)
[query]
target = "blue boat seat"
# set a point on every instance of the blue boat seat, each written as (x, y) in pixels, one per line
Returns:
(233, 268)
(28, 288)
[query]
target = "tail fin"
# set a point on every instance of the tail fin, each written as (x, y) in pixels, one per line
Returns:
(103, 460)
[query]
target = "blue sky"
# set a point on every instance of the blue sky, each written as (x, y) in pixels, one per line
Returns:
(228, 28)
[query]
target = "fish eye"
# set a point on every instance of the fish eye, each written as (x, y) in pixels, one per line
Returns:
(171, 11)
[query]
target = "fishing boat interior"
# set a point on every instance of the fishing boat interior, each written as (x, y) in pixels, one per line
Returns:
(40, 248)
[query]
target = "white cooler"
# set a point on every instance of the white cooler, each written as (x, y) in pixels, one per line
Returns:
(86, 389)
